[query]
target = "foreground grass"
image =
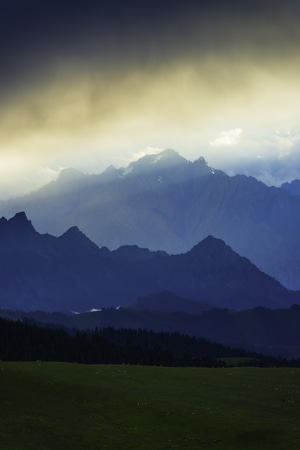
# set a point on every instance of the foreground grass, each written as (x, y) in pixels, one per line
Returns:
(69, 406)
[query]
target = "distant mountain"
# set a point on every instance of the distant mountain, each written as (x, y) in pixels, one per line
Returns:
(293, 187)
(165, 202)
(70, 273)
(123, 206)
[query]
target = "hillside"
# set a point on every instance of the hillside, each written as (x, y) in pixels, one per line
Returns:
(270, 332)
(24, 340)
(273, 332)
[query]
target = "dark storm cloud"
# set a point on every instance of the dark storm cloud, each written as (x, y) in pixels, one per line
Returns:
(92, 81)
(38, 36)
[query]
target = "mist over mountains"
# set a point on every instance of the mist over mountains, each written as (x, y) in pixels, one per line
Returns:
(166, 203)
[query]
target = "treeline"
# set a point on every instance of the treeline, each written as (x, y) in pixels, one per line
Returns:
(22, 340)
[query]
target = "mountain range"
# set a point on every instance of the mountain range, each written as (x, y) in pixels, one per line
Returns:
(71, 273)
(165, 202)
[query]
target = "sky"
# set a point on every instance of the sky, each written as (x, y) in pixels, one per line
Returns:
(86, 84)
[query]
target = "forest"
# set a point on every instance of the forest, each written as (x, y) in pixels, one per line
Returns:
(24, 340)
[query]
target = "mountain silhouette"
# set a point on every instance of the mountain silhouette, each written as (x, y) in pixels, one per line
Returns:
(165, 202)
(71, 273)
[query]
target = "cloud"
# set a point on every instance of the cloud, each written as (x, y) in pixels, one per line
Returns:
(87, 85)
(227, 138)
(285, 141)
(272, 157)
(19, 176)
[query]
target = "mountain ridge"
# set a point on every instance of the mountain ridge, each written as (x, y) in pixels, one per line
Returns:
(71, 273)
(172, 208)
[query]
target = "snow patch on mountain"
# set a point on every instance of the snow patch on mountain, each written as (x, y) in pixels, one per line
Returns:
(156, 159)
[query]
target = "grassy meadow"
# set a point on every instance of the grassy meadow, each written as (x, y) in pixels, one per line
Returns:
(70, 406)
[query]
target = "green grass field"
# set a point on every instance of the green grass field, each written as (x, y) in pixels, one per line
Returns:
(70, 406)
